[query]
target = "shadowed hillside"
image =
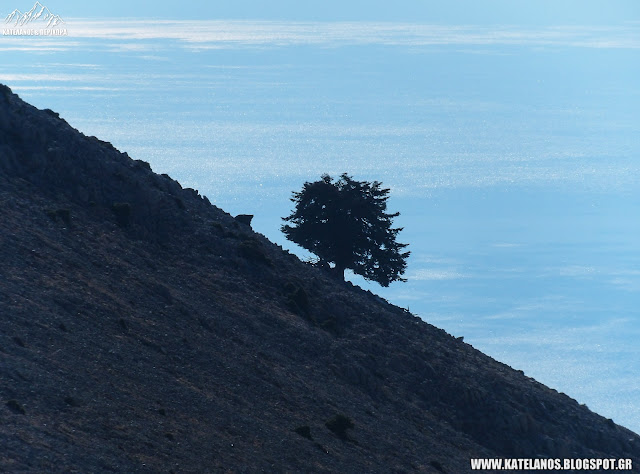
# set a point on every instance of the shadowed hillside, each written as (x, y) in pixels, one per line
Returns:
(144, 330)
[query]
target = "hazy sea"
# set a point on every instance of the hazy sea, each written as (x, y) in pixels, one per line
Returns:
(512, 154)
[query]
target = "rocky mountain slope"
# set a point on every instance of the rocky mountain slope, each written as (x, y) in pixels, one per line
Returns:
(144, 330)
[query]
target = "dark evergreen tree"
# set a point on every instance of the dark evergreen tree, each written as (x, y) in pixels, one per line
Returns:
(345, 222)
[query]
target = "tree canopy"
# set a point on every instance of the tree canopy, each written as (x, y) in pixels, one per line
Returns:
(345, 222)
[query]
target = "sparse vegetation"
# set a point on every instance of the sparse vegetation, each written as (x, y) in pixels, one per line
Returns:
(297, 298)
(437, 466)
(15, 407)
(339, 425)
(72, 402)
(180, 203)
(304, 431)
(329, 323)
(253, 251)
(63, 214)
(122, 212)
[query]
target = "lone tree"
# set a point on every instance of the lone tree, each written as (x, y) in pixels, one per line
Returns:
(345, 222)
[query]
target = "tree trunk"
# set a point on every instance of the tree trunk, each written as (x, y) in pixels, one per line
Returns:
(339, 271)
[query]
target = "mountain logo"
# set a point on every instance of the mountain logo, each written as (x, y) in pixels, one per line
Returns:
(37, 13)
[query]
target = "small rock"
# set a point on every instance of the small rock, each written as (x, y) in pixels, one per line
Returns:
(244, 219)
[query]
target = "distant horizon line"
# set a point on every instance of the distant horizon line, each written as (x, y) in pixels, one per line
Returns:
(241, 32)
(397, 22)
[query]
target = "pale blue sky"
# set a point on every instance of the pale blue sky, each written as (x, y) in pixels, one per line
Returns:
(523, 12)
